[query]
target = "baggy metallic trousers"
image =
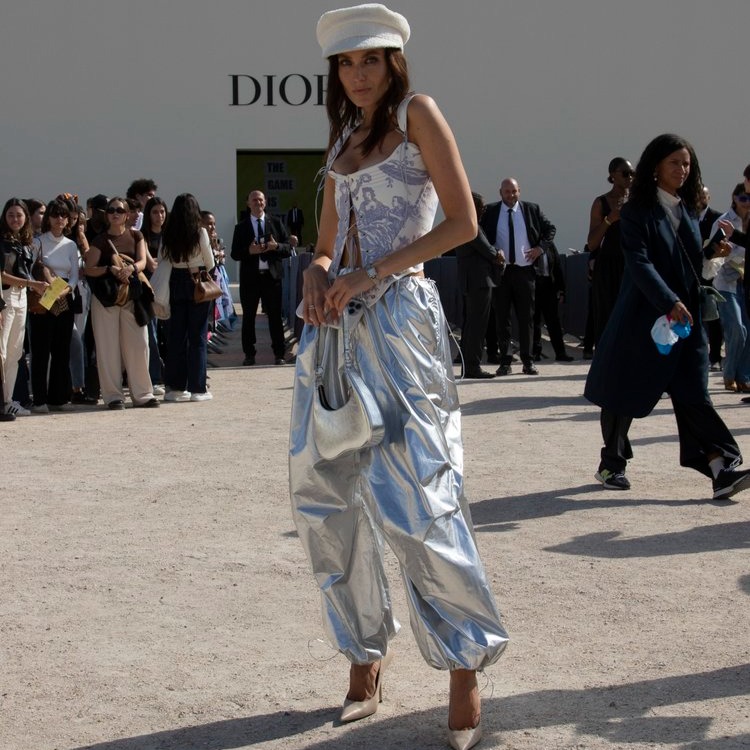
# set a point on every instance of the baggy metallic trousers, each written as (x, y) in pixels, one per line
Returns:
(407, 491)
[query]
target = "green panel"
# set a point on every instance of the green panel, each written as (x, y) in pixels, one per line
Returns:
(285, 177)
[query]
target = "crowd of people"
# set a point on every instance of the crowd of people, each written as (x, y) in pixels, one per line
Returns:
(77, 322)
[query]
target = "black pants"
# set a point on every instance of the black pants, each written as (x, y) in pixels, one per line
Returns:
(701, 431)
(50, 357)
(261, 288)
(516, 290)
(477, 304)
(546, 306)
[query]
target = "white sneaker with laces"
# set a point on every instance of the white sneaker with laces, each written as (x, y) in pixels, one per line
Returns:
(178, 396)
(158, 390)
(201, 396)
(15, 408)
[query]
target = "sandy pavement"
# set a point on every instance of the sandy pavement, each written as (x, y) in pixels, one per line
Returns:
(155, 596)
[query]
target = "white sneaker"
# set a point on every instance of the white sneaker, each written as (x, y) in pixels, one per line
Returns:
(15, 408)
(201, 396)
(177, 396)
(40, 409)
(158, 390)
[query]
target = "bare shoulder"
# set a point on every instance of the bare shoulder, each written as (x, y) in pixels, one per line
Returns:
(424, 119)
(422, 110)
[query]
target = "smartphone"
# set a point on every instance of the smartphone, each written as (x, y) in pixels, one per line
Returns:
(719, 236)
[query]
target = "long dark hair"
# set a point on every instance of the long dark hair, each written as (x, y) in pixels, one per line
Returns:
(342, 113)
(148, 235)
(643, 191)
(54, 208)
(26, 234)
(182, 233)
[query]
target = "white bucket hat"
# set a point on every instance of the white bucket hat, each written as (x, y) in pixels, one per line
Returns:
(368, 26)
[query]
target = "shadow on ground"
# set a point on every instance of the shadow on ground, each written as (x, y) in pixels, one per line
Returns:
(615, 713)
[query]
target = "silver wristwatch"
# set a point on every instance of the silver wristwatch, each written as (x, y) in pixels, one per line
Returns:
(372, 274)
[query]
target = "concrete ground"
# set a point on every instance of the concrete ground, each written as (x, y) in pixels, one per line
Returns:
(155, 596)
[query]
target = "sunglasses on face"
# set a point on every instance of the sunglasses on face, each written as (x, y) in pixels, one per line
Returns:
(627, 173)
(113, 210)
(59, 216)
(743, 198)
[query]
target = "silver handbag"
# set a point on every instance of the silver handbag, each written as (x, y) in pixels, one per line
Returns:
(346, 417)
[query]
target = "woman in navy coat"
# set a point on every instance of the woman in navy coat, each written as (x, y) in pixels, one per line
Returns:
(663, 259)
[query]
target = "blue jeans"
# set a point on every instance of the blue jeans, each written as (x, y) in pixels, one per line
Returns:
(154, 358)
(186, 342)
(735, 322)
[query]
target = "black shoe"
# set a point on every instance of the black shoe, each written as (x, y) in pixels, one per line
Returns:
(152, 403)
(730, 482)
(248, 361)
(504, 370)
(564, 358)
(280, 361)
(116, 404)
(479, 374)
(530, 370)
(79, 397)
(745, 400)
(612, 480)
(5, 417)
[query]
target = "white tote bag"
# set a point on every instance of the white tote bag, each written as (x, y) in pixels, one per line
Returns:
(160, 284)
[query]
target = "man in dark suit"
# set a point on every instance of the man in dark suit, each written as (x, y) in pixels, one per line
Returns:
(706, 219)
(549, 291)
(521, 233)
(260, 243)
(479, 265)
(295, 220)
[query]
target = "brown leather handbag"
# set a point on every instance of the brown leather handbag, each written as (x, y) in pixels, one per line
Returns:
(40, 272)
(206, 289)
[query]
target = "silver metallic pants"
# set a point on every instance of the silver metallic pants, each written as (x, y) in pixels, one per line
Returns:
(407, 491)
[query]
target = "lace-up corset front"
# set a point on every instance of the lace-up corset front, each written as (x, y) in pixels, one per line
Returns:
(387, 205)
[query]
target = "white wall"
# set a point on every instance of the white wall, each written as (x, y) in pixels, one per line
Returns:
(95, 94)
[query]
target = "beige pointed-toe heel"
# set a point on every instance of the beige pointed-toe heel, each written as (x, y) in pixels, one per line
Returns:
(355, 710)
(468, 737)
(463, 739)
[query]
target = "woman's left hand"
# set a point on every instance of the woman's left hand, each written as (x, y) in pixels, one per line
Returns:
(681, 313)
(344, 288)
(727, 226)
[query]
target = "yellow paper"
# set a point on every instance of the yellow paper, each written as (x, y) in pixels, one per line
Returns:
(53, 291)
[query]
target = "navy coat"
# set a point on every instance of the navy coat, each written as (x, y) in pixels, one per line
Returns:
(628, 374)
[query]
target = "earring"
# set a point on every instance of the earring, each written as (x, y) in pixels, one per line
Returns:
(655, 177)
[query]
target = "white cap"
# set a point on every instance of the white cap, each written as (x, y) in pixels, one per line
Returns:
(368, 26)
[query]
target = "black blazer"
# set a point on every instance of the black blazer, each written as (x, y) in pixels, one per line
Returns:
(244, 234)
(477, 267)
(540, 230)
(628, 374)
(707, 222)
(555, 267)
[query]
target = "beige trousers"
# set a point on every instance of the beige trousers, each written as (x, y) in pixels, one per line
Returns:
(120, 341)
(11, 337)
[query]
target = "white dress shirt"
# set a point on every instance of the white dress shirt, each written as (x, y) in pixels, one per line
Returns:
(502, 241)
(262, 264)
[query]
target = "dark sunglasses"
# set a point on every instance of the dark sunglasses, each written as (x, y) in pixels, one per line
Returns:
(113, 210)
(743, 198)
(627, 173)
(58, 215)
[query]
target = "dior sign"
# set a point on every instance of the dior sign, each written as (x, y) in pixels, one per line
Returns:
(292, 90)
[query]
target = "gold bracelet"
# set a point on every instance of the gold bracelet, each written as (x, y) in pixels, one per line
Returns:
(607, 221)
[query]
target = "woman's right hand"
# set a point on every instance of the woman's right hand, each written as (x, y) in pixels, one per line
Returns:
(314, 287)
(38, 286)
